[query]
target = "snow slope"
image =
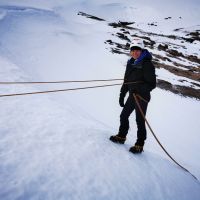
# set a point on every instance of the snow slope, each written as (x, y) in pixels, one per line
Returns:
(56, 146)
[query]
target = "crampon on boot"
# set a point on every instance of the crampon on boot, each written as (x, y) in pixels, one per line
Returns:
(117, 139)
(136, 149)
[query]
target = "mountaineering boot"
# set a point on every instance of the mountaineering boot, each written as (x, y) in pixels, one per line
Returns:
(136, 149)
(117, 139)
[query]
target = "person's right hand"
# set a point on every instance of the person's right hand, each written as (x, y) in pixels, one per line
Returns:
(121, 100)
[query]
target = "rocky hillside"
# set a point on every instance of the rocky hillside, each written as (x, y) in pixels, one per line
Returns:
(176, 56)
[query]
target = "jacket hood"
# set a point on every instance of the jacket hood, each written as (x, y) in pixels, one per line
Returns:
(145, 55)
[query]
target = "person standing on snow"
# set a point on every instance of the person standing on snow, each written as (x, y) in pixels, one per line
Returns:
(141, 71)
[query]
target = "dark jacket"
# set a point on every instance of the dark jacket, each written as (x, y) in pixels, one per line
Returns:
(141, 70)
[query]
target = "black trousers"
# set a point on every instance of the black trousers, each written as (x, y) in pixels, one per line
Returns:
(129, 107)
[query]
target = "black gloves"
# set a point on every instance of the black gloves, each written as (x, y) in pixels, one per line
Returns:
(121, 100)
(123, 91)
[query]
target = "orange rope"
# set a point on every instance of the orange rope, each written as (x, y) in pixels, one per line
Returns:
(65, 90)
(53, 91)
(138, 105)
(55, 82)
